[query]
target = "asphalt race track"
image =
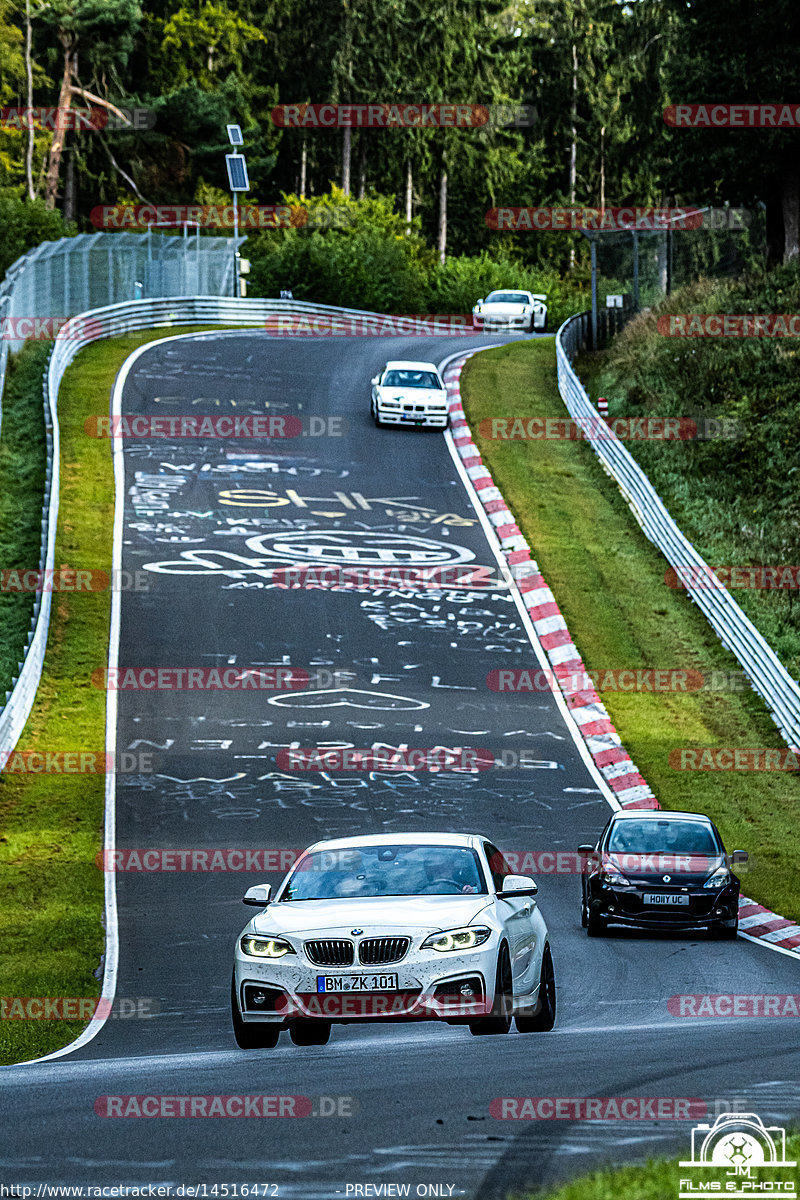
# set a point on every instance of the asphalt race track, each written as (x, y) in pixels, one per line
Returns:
(209, 521)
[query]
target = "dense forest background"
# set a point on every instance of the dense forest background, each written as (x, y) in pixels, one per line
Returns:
(598, 75)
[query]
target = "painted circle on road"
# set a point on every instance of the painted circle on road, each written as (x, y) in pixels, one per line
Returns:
(362, 549)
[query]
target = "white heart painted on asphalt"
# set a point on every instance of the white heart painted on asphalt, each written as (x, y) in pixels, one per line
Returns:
(347, 698)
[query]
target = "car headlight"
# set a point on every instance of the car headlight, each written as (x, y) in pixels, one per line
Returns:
(266, 947)
(615, 879)
(457, 939)
(720, 878)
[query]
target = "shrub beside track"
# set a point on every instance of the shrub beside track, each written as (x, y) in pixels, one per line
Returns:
(23, 455)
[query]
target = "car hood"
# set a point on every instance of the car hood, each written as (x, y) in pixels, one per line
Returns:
(416, 395)
(429, 913)
(683, 870)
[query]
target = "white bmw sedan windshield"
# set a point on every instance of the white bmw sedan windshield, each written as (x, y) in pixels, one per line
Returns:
(411, 379)
(374, 871)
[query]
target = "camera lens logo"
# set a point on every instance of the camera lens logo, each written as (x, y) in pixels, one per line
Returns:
(740, 1153)
(739, 1142)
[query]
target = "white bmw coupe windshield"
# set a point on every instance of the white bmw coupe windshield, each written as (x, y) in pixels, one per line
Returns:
(411, 379)
(375, 871)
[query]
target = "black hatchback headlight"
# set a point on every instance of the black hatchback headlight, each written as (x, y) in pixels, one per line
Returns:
(718, 879)
(614, 879)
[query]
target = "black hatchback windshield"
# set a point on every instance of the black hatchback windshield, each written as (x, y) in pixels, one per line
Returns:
(663, 837)
(373, 871)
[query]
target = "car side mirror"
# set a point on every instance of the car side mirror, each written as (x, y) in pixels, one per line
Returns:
(375, 380)
(739, 856)
(258, 895)
(519, 885)
(480, 301)
(585, 849)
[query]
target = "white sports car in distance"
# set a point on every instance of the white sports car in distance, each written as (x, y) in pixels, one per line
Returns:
(512, 310)
(407, 926)
(409, 393)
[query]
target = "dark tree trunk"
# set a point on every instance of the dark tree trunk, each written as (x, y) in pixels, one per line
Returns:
(346, 154)
(68, 207)
(64, 105)
(442, 235)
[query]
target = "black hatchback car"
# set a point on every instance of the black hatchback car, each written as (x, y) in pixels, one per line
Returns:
(660, 870)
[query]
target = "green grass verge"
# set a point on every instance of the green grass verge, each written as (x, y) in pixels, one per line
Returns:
(659, 1179)
(609, 583)
(23, 458)
(51, 932)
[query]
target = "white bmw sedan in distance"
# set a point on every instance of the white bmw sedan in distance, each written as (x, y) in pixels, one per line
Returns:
(512, 310)
(393, 927)
(409, 393)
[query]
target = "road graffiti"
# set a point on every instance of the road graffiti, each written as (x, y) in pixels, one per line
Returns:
(353, 698)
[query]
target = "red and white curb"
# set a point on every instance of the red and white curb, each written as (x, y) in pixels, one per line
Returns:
(630, 788)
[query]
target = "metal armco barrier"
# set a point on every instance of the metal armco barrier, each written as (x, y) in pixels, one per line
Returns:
(81, 331)
(767, 674)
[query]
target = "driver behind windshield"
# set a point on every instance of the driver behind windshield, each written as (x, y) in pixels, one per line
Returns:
(451, 871)
(373, 871)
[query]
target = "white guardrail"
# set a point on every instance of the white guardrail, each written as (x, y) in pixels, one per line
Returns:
(736, 632)
(80, 331)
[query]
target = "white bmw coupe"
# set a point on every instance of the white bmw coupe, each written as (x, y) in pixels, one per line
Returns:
(512, 310)
(409, 393)
(393, 927)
